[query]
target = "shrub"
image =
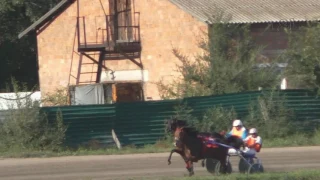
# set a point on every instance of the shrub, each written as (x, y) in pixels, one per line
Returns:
(26, 127)
(60, 97)
(268, 113)
(216, 119)
(270, 116)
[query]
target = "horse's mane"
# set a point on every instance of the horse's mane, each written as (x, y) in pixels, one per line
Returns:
(176, 122)
(180, 122)
(183, 123)
(190, 131)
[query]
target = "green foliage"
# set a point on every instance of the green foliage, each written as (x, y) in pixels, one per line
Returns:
(18, 56)
(59, 97)
(17, 15)
(184, 112)
(216, 119)
(268, 113)
(32, 9)
(227, 65)
(270, 116)
(303, 57)
(25, 127)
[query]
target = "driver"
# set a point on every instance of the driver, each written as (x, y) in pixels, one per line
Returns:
(238, 130)
(253, 142)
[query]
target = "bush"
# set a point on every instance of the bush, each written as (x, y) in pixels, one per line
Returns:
(268, 113)
(270, 116)
(303, 57)
(213, 119)
(185, 112)
(216, 119)
(26, 127)
(60, 97)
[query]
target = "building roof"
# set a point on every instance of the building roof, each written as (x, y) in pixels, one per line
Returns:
(242, 11)
(60, 7)
(253, 11)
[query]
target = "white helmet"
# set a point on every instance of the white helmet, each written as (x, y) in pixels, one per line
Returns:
(253, 131)
(237, 122)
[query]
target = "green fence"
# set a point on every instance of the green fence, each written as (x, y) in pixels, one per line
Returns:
(143, 122)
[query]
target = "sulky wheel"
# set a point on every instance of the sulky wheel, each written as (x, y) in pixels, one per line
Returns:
(255, 168)
(211, 165)
(243, 165)
(218, 169)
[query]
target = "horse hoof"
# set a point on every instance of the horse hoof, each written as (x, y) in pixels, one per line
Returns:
(169, 162)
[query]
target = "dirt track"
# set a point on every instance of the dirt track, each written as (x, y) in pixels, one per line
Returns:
(155, 165)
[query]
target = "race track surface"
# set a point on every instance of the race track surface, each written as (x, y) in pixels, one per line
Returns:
(143, 165)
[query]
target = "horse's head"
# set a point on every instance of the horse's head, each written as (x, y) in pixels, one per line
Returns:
(178, 135)
(183, 133)
(173, 124)
(170, 125)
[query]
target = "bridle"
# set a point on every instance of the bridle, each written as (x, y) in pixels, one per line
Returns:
(177, 139)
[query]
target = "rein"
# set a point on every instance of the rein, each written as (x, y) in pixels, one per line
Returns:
(220, 144)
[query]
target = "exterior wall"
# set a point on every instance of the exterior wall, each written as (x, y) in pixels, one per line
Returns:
(57, 48)
(163, 27)
(273, 37)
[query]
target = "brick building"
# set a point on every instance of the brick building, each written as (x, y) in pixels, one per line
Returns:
(127, 44)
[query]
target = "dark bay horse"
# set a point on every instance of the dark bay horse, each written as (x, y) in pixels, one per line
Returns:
(194, 149)
(190, 144)
(171, 126)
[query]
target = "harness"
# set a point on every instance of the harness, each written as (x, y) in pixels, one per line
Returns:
(209, 142)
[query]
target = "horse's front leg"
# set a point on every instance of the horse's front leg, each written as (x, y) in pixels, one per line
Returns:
(189, 163)
(176, 151)
(190, 167)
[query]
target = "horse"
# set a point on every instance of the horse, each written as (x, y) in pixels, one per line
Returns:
(233, 141)
(173, 124)
(194, 149)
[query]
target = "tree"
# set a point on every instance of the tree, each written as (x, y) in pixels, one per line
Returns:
(227, 66)
(18, 56)
(303, 56)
